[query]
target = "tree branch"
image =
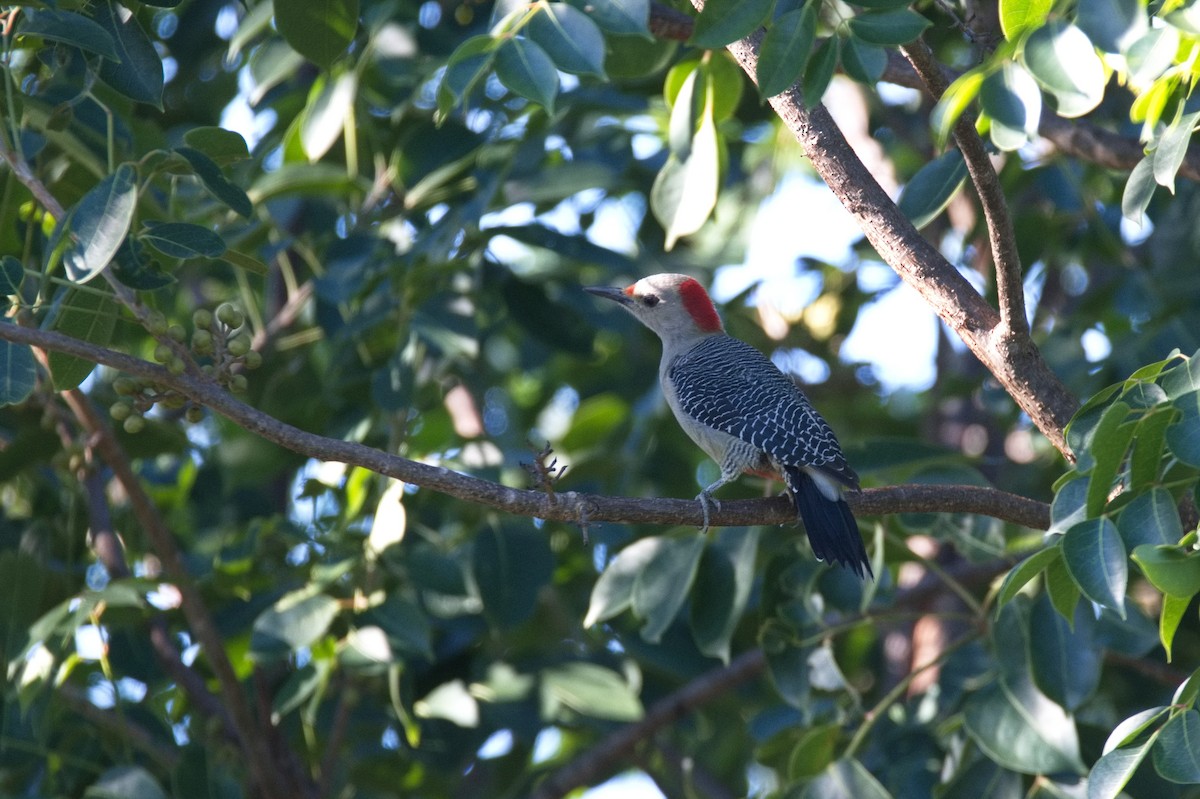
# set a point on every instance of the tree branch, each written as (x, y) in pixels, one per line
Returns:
(1014, 362)
(563, 506)
(1010, 289)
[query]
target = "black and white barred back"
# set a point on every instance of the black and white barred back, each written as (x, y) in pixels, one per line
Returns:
(728, 385)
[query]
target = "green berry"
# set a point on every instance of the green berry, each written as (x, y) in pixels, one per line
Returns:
(202, 339)
(157, 323)
(202, 319)
(230, 315)
(134, 424)
(125, 386)
(238, 384)
(194, 414)
(174, 401)
(176, 366)
(120, 411)
(163, 353)
(253, 359)
(239, 346)
(177, 332)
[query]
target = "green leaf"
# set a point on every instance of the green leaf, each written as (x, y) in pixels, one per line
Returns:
(1177, 750)
(183, 240)
(330, 108)
(85, 316)
(221, 145)
(814, 751)
(863, 62)
(1186, 19)
(662, 586)
(589, 690)
(725, 21)
(125, 782)
(1182, 379)
(135, 269)
(1011, 98)
(930, 190)
(525, 69)
(785, 50)
(1112, 25)
(722, 589)
(1063, 61)
(1172, 147)
(1151, 518)
(1019, 16)
(18, 370)
(620, 17)
(613, 591)
(845, 779)
(898, 26)
(98, 223)
(1168, 622)
(1148, 443)
(210, 175)
(1022, 730)
(1023, 572)
(320, 30)
(1183, 437)
(1151, 54)
(1064, 593)
(294, 622)
(1170, 569)
(958, 95)
(685, 191)
(511, 564)
(1095, 556)
(572, 41)
(820, 71)
(12, 275)
(406, 625)
(1108, 445)
(1114, 770)
(138, 73)
(1133, 727)
(469, 64)
(1065, 663)
(1070, 504)
(69, 28)
(297, 688)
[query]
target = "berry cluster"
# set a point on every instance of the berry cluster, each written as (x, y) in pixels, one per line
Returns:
(217, 339)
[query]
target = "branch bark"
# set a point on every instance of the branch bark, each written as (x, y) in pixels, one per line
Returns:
(1011, 358)
(567, 506)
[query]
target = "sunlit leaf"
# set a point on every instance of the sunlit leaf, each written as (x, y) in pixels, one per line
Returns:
(1019, 16)
(1063, 60)
(98, 224)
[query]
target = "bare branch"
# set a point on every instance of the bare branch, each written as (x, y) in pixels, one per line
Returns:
(1010, 290)
(563, 506)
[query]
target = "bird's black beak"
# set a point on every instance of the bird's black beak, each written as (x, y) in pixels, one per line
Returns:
(616, 295)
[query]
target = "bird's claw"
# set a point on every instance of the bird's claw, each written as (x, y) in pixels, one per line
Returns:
(705, 498)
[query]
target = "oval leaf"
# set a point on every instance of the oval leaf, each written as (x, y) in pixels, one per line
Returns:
(571, 40)
(1018, 16)
(662, 587)
(622, 17)
(785, 50)
(898, 26)
(725, 21)
(1177, 750)
(97, 225)
(69, 28)
(86, 316)
(320, 30)
(613, 592)
(1183, 437)
(932, 188)
(1150, 519)
(1095, 556)
(183, 240)
(138, 73)
(1063, 60)
(290, 624)
(1169, 568)
(524, 67)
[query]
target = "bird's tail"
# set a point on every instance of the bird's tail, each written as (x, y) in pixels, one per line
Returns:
(831, 528)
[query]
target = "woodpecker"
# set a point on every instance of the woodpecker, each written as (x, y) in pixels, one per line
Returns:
(745, 413)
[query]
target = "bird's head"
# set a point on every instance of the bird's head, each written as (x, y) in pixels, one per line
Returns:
(673, 306)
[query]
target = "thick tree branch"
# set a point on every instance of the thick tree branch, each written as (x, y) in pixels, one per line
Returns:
(563, 506)
(1010, 289)
(1014, 362)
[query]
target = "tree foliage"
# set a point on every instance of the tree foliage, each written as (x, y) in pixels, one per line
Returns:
(298, 535)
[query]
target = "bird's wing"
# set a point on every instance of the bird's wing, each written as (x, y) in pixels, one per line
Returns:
(726, 384)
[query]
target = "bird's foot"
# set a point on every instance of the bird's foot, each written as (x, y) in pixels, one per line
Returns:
(705, 499)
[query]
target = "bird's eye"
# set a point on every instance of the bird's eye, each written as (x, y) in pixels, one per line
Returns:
(650, 300)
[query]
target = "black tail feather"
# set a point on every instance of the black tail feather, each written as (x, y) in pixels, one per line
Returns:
(831, 528)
